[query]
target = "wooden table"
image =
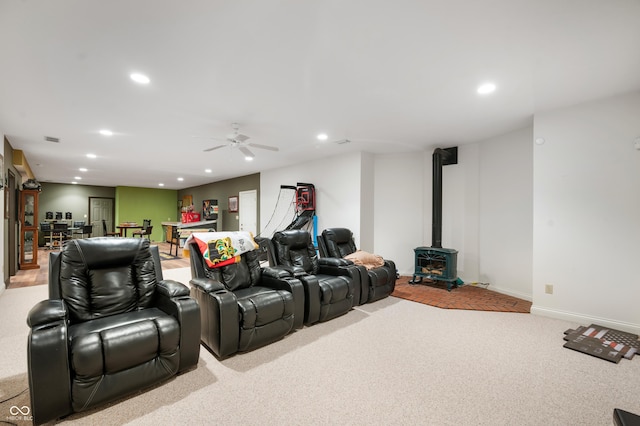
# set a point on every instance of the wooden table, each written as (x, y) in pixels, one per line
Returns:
(126, 226)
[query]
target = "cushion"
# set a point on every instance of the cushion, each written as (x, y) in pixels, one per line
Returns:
(368, 260)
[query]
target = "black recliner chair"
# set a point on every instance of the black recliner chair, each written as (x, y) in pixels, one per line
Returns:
(331, 285)
(110, 327)
(379, 282)
(243, 305)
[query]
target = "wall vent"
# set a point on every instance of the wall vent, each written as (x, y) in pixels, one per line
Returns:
(52, 139)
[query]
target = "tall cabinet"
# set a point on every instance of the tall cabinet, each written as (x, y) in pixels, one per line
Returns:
(29, 229)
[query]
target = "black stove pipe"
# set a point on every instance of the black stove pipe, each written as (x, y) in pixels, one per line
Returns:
(436, 205)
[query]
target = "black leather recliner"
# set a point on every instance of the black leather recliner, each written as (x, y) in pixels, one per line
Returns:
(379, 282)
(331, 285)
(110, 327)
(244, 306)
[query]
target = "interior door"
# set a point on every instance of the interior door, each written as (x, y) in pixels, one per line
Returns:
(248, 210)
(101, 208)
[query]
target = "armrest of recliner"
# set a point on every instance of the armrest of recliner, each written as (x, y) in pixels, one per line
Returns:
(207, 285)
(45, 313)
(48, 361)
(174, 299)
(277, 272)
(290, 284)
(171, 288)
(218, 316)
(334, 261)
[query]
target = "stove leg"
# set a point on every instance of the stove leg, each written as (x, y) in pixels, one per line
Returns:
(413, 280)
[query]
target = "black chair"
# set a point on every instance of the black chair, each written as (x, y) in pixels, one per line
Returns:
(111, 326)
(87, 230)
(379, 281)
(331, 285)
(108, 233)
(244, 306)
(175, 239)
(77, 229)
(146, 230)
(60, 233)
(47, 231)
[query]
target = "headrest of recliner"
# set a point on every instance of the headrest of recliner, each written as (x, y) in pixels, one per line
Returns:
(339, 235)
(106, 276)
(293, 238)
(339, 241)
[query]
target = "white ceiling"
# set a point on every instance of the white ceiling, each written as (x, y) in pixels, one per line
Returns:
(392, 76)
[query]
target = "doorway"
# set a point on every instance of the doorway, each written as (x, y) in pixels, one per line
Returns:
(248, 210)
(99, 209)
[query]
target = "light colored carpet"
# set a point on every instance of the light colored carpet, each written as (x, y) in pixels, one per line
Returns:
(390, 362)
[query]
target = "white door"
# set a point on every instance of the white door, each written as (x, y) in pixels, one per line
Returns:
(248, 210)
(100, 208)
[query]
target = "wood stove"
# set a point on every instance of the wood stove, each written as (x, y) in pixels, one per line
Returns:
(437, 263)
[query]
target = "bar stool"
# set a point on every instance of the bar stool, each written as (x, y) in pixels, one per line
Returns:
(175, 236)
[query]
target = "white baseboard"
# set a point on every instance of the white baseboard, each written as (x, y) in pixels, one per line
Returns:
(522, 296)
(586, 319)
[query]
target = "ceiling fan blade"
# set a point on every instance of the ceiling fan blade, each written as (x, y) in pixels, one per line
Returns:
(270, 148)
(206, 137)
(240, 138)
(246, 151)
(214, 148)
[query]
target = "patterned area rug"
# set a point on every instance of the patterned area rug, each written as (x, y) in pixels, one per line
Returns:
(165, 256)
(464, 297)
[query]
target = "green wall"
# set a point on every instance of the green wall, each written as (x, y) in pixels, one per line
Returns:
(135, 204)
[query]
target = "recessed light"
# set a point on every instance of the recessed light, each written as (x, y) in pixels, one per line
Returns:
(161, 184)
(322, 137)
(92, 156)
(140, 78)
(74, 183)
(180, 179)
(248, 158)
(77, 178)
(105, 132)
(486, 88)
(82, 169)
(540, 141)
(207, 170)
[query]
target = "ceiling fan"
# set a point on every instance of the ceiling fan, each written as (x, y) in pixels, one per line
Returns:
(238, 140)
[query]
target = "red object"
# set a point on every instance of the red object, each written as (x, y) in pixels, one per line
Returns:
(305, 197)
(190, 217)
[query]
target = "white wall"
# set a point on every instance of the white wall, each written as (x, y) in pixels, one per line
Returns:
(399, 187)
(337, 181)
(587, 213)
(505, 252)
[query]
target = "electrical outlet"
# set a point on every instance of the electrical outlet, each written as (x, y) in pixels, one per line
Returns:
(548, 288)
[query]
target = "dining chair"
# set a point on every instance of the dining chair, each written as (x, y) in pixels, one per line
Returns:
(146, 229)
(107, 233)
